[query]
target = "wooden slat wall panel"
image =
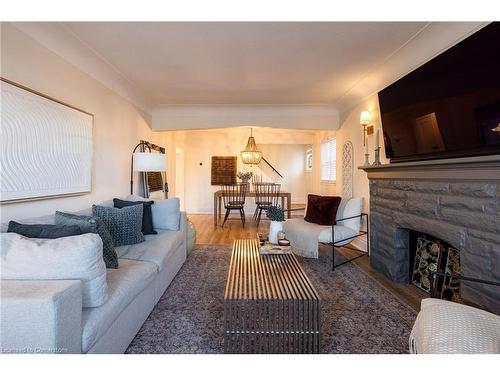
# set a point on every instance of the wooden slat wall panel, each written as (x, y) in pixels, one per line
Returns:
(270, 305)
(224, 170)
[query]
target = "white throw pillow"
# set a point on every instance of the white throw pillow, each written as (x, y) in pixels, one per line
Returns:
(66, 258)
(352, 208)
(166, 212)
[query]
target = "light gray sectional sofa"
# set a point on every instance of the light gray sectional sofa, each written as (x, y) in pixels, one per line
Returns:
(47, 315)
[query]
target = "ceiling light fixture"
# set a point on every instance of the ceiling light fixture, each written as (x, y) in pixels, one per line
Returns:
(251, 155)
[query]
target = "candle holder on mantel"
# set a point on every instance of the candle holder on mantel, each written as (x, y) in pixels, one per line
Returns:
(377, 162)
(367, 161)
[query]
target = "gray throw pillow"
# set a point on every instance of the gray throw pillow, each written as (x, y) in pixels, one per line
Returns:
(124, 224)
(90, 224)
(43, 230)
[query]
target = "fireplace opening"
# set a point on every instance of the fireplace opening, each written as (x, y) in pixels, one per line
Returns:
(430, 256)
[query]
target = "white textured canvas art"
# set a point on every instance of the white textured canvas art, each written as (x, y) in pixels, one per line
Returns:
(46, 146)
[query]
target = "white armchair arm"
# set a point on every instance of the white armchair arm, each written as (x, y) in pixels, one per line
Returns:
(40, 316)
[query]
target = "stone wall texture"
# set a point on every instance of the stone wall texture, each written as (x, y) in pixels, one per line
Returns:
(464, 214)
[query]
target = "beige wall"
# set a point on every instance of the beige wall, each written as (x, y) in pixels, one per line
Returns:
(351, 130)
(284, 149)
(118, 125)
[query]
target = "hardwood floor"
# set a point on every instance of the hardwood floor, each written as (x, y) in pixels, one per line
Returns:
(206, 233)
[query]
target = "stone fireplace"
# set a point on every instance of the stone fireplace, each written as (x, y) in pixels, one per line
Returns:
(457, 201)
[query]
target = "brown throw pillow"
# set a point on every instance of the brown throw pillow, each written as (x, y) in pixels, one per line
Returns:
(322, 210)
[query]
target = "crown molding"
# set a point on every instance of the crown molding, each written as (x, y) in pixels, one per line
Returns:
(184, 117)
(63, 42)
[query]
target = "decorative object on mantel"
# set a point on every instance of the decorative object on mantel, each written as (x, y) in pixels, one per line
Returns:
(377, 149)
(365, 121)
(377, 157)
(251, 155)
(245, 176)
(367, 160)
(146, 161)
(367, 155)
(46, 146)
(277, 217)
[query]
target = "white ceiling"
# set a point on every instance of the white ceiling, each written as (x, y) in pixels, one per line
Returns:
(163, 66)
(246, 62)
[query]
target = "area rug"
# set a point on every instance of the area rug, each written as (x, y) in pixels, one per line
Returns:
(358, 315)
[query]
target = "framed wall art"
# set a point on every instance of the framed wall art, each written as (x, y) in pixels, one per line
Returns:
(224, 170)
(46, 146)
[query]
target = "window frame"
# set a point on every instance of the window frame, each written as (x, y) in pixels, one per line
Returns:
(331, 162)
(309, 158)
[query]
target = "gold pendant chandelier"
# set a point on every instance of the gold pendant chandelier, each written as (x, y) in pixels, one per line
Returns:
(251, 155)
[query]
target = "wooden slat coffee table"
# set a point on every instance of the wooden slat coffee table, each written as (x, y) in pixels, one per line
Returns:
(270, 306)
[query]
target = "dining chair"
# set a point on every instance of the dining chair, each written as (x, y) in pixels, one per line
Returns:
(256, 178)
(234, 199)
(266, 196)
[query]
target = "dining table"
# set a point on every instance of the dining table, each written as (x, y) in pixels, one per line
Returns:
(285, 197)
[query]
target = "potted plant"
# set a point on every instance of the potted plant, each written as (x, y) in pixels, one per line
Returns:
(277, 218)
(245, 176)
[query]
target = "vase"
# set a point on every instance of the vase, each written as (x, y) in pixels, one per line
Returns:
(274, 228)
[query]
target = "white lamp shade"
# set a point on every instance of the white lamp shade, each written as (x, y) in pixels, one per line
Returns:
(149, 162)
(364, 119)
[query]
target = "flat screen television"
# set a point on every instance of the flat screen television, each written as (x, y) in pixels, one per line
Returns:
(450, 106)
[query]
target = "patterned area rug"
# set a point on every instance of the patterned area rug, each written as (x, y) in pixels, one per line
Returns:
(358, 315)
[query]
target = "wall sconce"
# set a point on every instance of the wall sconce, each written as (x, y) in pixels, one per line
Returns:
(365, 121)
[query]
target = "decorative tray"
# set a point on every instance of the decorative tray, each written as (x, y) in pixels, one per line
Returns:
(269, 248)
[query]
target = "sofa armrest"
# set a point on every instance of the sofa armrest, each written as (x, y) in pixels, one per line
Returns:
(40, 316)
(183, 229)
(182, 222)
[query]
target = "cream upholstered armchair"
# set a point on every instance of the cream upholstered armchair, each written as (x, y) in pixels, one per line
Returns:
(305, 237)
(445, 327)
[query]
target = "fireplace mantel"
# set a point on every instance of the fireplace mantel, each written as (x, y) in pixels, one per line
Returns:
(468, 169)
(455, 200)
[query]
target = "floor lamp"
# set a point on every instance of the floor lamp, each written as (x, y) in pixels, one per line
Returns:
(146, 161)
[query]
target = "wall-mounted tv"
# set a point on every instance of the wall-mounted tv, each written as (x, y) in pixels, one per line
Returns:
(450, 106)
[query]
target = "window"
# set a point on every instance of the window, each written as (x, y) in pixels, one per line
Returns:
(329, 160)
(309, 160)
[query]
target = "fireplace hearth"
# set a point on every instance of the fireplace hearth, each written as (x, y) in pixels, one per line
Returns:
(456, 201)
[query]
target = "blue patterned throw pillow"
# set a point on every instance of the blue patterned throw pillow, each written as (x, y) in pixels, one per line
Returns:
(89, 224)
(124, 224)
